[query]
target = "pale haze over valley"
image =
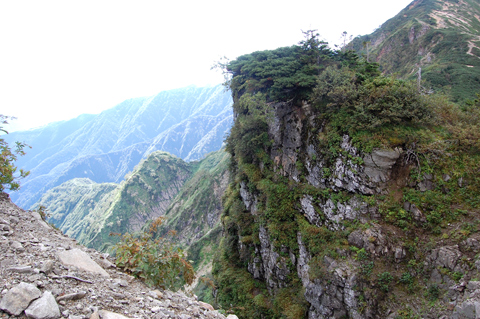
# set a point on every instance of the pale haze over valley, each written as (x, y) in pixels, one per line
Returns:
(60, 59)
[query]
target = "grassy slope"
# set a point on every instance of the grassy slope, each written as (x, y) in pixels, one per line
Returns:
(441, 37)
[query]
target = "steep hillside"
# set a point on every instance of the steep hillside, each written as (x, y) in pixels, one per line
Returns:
(440, 37)
(72, 201)
(187, 122)
(187, 194)
(196, 209)
(351, 196)
(195, 215)
(89, 212)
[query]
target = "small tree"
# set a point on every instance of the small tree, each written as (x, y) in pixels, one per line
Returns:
(345, 38)
(365, 46)
(313, 48)
(8, 178)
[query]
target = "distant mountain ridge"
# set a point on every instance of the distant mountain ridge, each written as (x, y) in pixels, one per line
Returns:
(188, 123)
(440, 37)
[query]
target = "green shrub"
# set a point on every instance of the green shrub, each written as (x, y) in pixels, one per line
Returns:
(384, 280)
(408, 280)
(158, 261)
(433, 292)
(457, 275)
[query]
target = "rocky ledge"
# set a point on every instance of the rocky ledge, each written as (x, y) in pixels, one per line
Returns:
(45, 274)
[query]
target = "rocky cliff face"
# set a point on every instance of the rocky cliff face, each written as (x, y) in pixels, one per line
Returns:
(335, 295)
(359, 234)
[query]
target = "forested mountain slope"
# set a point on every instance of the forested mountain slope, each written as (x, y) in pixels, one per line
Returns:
(188, 123)
(442, 37)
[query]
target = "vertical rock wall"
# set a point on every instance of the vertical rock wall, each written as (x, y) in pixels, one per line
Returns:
(296, 155)
(344, 232)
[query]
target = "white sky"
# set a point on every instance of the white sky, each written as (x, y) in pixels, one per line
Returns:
(59, 59)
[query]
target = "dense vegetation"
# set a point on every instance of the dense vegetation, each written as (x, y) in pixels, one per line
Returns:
(289, 72)
(348, 97)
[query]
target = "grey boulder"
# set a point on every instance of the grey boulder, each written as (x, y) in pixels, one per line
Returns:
(81, 260)
(19, 297)
(43, 308)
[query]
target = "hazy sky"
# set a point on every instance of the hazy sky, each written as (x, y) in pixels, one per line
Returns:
(59, 59)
